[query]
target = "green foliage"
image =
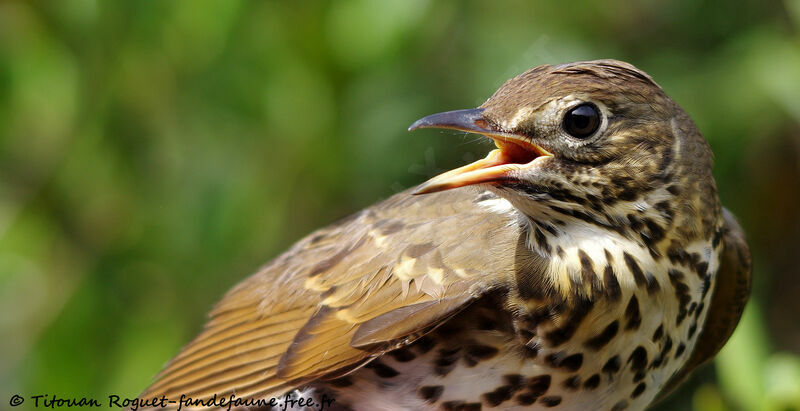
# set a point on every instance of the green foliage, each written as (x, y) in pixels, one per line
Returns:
(152, 154)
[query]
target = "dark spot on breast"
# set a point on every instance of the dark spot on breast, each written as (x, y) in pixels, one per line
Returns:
(658, 333)
(482, 351)
(452, 405)
(541, 241)
(402, 355)
(382, 370)
(692, 330)
(445, 361)
(572, 383)
(693, 260)
(653, 252)
(567, 330)
(639, 376)
(664, 163)
(430, 393)
(701, 269)
(662, 355)
(486, 324)
(676, 254)
(550, 401)
(580, 215)
(674, 190)
(341, 382)
(423, 344)
(594, 201)
(665, 210)
(633, 266)
(706, 287)
(627, 194)
(572, 362)
(609, 257)
(632, 314)
(681, 292)
(600, 340)
(655, 232)
(526, 335)
(526, 398)
(592, 382)
(612, 365)
(613, 292)
(679, 351)
(538, 385)
(461, 406)
(498, 396)
(652, 283)
(621, 180)
(554, 359)
(638, 390)
(530, 351)
(560, 252)
(635, 223)
(638, 358)
(699, 310)
(532, 320)
(516, 381)
(478, 353)
(449, 352)
(564, 195)
(587, 267)
(549, 228)
(717, 238)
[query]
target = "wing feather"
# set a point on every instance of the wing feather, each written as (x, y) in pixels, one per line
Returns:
(347, 293)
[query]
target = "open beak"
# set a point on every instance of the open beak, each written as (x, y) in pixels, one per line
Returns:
(514, 152)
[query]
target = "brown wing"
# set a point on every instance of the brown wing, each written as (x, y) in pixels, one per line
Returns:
(345, 293)
(727, 303)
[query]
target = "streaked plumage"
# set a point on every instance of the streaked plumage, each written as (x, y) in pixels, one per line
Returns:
(585, 273)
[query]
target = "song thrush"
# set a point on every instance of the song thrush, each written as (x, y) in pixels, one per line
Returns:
(588, 265)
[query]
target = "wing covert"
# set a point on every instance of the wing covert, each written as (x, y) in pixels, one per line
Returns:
(346, 293)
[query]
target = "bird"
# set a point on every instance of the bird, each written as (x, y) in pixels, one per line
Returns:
(585, 263)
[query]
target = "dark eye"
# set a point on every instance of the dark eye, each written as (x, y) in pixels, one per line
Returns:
(582, 121)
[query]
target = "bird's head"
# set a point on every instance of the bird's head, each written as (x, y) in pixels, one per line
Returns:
(596, 141)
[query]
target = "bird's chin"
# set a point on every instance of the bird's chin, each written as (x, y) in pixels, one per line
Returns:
(512, 158)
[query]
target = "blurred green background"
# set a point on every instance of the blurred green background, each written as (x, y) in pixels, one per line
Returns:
(152, 154)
